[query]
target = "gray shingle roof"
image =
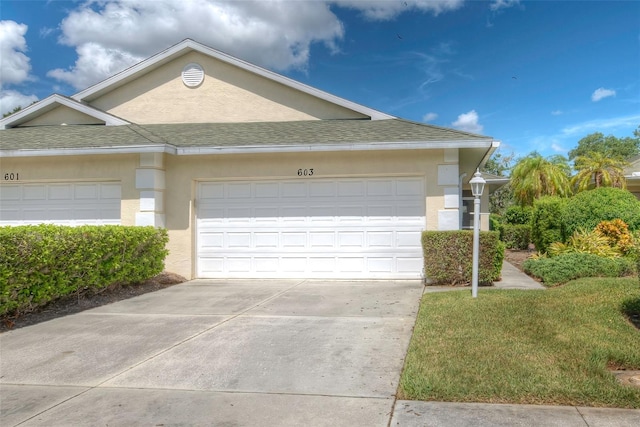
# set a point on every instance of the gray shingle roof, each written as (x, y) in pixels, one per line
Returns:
(313, 132)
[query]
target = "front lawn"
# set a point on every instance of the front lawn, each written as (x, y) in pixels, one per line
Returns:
(551, 347)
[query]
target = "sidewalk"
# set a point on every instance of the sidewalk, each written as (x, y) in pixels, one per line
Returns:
(450, 414)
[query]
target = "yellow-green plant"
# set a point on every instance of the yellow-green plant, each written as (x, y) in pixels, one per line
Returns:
(618, 234)
(582, 241)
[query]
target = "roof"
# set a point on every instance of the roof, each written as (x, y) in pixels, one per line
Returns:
(312, 135)
(55, 101)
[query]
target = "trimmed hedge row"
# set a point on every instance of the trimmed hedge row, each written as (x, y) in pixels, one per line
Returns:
(41, 263)
(448, 257)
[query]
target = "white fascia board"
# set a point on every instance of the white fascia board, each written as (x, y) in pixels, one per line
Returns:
(162, 148)
(53, 101)
(189, 45)
(301, 148)
(495, 144)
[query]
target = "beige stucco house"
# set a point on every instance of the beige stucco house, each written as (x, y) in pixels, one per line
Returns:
(253, 174)
(632, 175)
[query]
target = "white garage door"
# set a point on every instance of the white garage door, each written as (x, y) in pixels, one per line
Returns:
(346, 228)
(60, 203)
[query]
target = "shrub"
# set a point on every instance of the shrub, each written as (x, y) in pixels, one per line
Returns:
(546, 222)
(448, 257)
(617, 234)
(495, 222)
(569, 266)
(516, 236)
(39, 264)
(588, 208)
(518, 215)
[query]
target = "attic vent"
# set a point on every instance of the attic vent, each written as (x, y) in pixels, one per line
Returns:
(192, 75)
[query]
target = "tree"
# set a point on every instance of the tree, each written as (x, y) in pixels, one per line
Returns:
(534, 177)
(15, 110)
(498, 164)
(500, 199)
(597, 170)
(609, 146)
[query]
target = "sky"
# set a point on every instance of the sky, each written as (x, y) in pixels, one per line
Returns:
(536, 75)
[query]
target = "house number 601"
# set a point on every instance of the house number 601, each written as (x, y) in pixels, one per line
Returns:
(305, 172)
(11, 176)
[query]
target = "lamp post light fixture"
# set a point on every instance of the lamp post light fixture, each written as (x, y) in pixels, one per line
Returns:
(477, 187)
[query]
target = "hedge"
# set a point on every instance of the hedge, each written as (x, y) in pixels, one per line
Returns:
(41, 263)
(569, 266)
(448, 257)
(547, 224)
(587, 209)
(516, 236)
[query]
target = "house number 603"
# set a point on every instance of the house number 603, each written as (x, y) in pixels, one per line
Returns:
(305, 172)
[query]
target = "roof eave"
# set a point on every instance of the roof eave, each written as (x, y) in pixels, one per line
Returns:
(252, 149)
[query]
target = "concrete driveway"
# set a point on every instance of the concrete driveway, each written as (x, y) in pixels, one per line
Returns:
(227, 353)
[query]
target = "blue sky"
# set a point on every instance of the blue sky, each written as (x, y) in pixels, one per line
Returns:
(537, 75)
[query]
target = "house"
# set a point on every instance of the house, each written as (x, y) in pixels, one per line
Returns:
(632, 175)
(253, 174)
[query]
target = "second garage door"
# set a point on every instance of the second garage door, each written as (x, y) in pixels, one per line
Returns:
(316, 228)
(63, 203)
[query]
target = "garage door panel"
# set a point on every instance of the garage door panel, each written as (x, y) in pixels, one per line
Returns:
(35, 192)
(60, 192)
(380, 265)
(346, 228)
(293, 190)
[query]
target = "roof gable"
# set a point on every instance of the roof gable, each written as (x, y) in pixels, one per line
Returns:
(139, 70)
(225, 94)
(59, 110)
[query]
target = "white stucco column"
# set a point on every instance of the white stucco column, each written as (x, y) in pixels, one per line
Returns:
(150, 182)
(449, 181)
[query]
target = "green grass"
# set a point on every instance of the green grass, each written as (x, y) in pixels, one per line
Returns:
(537, 347)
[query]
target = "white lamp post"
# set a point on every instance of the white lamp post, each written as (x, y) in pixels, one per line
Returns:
(477, 187)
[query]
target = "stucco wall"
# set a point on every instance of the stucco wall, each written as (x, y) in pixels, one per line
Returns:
(227, 94)
(81, 168)
(62, 115)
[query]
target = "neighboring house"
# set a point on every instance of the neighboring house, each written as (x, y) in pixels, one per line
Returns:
(253, 174)
(632, 174)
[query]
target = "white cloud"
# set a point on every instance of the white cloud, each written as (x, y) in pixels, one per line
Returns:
(468, 122)
(600, 125)
(15, 65)
(503, 4)
(275, 34)
(95, 62)
(557, 113)
(429, 117)
(10, 99)
(601, 93)
(377, 10)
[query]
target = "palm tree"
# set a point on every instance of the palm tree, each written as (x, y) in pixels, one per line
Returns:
(598, 170)
(534, 177)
